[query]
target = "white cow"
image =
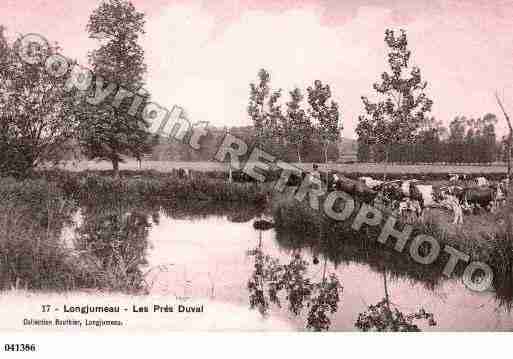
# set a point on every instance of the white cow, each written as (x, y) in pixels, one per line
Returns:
(409, 208)
(454, 178)
(405, 187)
(370, 182)
(452, 203)
(427, 193)
(482, 181)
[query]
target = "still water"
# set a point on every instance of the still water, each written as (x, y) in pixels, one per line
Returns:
(214, 257)
(217, 255)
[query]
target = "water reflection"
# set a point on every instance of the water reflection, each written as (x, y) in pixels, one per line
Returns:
(342, 250)
(196, 210)
(115, 240)
(214, 251)
(270, 280)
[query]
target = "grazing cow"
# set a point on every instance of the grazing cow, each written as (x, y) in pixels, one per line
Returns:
(391, 193)
(183, 173)
(427, 194)
(410, 208)
(454, 190)
(370, 182)
(451, 202)
(504, 184)
(482, 197)
(454, 178)
(482, 181)
(396, 192)
(354, 188)
(500, 194)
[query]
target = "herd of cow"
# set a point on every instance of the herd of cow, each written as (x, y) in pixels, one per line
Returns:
(411, 197)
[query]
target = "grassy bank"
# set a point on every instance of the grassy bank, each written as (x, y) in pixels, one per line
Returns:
(110, 245)
(32, 254)
(151, 185)
(298, 225)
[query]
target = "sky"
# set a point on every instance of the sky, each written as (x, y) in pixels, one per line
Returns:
(202, 55)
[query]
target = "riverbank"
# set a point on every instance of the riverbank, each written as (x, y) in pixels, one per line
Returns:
(491, 244)
(115, 228)
(108, 250)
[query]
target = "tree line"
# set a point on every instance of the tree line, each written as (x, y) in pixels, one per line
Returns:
(466, 140)
(396, 126)
(300, 126)
(165, 150)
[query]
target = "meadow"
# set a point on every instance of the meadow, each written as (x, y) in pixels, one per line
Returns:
(348, 168)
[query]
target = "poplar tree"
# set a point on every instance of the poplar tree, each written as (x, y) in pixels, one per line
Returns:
(402, 104)
(326, 114)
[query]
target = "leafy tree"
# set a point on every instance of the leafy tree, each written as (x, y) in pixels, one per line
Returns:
(108, 132)
(403, 104)
(264, 110)
(325, 113)
(37, 121)
(457, 130)
(470, 140)
(489, 138)
(297, 124)
(428, 147)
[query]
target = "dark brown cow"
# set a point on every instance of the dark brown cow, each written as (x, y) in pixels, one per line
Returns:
(480, 196)
(354, 188)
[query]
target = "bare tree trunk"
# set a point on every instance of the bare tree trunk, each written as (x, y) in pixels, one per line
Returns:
(115, 168)
(324, 269)
(508, 157)
(299, 155)
(508, 121)
(326, 154)
(385, 167)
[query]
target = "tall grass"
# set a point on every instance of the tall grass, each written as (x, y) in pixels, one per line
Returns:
(32, 254)
(93, 187)
(109, 247)
(35, 256)
(298, 225)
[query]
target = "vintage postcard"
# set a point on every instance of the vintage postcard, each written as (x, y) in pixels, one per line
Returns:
(250, 166)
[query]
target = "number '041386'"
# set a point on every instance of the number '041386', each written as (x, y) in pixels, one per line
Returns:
(20, 347)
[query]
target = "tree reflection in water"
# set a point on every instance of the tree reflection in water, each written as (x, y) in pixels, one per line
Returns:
(385, 316)
(115, 239)
(336, 248)
(270, 279)
(382, 317)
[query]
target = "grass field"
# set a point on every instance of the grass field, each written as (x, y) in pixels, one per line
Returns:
(364, 168)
